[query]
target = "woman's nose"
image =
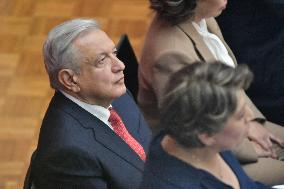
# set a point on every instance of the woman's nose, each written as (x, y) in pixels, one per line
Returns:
(249, 114)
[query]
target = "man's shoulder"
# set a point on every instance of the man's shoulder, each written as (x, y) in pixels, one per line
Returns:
(125, 101)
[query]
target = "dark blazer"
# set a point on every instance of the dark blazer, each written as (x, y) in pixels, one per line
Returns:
(254, 30)
(167, 172)
(77, 150)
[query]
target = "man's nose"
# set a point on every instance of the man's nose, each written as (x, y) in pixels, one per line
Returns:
(118, 65)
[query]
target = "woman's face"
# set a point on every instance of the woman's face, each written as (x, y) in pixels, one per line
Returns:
(236, 127)
(209, 8)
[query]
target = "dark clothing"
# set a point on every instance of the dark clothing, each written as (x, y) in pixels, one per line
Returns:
(167, 172)
(254, 29)
(77, 150)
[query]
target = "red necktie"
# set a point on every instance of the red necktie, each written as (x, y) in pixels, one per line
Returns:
(120, 129)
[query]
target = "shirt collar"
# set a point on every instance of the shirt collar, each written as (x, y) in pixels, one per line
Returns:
(98, 111)
(201, 26)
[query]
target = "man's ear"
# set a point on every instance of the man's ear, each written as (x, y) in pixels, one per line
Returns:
(68, 78)
(207, 139)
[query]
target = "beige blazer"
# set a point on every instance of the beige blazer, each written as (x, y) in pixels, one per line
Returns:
(167, 49)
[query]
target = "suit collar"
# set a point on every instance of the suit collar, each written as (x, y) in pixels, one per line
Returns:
(102, 133)
(111, 141)
(100, 112)
(198, 42)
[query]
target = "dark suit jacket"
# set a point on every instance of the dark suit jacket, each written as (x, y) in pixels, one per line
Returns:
(77, 150)
(163, 171)
(254, 30)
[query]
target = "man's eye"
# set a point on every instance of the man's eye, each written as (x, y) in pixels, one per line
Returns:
(114, 52)
(101, 60)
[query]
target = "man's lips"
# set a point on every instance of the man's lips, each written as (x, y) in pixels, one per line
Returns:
(121, 80)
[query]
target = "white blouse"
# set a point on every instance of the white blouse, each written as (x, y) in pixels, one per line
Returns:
(214, 44)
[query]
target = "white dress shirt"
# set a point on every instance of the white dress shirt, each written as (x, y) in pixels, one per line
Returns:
(98, 111)
(214, 44)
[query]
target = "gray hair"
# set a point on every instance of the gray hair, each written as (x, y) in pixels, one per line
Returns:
(200, 98)
(59, 51)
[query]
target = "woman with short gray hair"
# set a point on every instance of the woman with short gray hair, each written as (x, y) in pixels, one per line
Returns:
(204, 116)
(181, 33)
(200, 99)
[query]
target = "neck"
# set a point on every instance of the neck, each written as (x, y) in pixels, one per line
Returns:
(206, 158)
(197, 18)
(204, 154)
(90, 101)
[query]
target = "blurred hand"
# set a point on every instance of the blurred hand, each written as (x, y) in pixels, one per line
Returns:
(263, 140)
(261, 152)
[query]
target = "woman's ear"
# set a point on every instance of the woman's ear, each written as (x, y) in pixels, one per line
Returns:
(69, 80)
(207, 139)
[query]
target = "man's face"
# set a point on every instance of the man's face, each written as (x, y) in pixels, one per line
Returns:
(101, 77)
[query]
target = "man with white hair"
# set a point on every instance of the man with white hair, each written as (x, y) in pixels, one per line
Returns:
(93, 134)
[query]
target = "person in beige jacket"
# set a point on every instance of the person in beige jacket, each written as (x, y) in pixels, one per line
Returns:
(181, 33)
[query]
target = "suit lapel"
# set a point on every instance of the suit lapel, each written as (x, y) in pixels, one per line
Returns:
(229, 51)
(197, 40)
(111, 141)
(102, 133)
